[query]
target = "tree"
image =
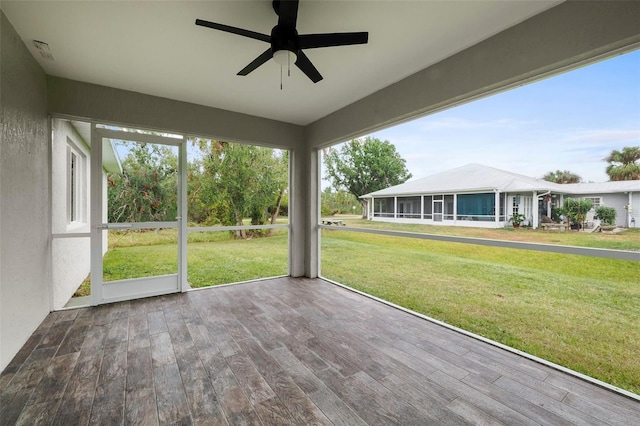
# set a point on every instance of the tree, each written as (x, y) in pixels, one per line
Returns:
(242, 181)
(146, 190)
(562, 176)
(341, 202)
(226, 183)
(624, 164)
(365, 165)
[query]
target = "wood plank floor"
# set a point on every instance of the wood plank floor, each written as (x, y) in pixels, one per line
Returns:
(279, 352)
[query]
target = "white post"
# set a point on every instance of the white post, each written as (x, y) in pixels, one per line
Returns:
(535, 212)
(96, 217)
(395, 207)
(455, 208)
(630, 210)
(373, 208)
(497, 208)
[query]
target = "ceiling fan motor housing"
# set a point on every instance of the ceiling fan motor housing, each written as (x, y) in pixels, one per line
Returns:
(284, 38)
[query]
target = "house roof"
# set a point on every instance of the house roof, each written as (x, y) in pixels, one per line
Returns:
(110, 158)
(606, 187)
(481, 178)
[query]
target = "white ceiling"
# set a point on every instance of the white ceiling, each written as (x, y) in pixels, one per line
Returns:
(154, 47)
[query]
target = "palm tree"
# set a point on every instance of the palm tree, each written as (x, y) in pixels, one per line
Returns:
(624, 164)
(562, 176)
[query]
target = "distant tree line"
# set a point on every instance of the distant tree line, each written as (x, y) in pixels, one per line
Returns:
(365, 165)
(226, 184)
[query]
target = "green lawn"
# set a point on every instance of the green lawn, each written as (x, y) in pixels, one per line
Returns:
(577, 311)
(212, 257)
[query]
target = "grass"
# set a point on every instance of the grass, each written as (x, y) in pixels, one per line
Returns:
(212, 257)
(576, 311)
(579, 312)
(220, 262)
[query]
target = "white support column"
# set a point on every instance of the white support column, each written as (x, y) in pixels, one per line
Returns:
(96, 217)
(421, 207)
(534, 209)
(395, 207)
(497, 208)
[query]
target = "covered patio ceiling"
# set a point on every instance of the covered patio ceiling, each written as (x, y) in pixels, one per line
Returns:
(154, 47)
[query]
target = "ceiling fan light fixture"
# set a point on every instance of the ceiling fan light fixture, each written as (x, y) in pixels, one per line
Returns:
(285, 57)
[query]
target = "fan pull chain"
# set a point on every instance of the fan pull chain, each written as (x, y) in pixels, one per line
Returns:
(280, 77)
(289, 64)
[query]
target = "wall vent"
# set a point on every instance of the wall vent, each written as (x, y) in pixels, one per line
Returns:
(44, 49)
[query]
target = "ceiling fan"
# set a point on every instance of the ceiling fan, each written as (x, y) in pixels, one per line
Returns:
(286, 44)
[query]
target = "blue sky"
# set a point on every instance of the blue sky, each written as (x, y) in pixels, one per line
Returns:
(567, 122)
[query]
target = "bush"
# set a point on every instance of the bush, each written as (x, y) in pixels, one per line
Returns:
(576, 210)
(606, 214)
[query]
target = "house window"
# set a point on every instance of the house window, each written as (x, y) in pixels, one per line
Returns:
(428, 207)
(76, 185)
(383, 207)
(409, 207)
(448, 207)
(476, 207)
(73, 187)
(597, 201)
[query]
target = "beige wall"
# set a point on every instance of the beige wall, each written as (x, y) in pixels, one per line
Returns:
(24, 195)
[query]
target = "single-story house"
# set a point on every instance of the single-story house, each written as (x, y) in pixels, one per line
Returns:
(485, 197)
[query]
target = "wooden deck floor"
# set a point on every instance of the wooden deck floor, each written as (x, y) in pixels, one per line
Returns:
(277, 352)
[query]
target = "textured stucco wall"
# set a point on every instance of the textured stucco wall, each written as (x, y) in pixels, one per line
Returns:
(24, 210)
(70, 256)
(71, 98)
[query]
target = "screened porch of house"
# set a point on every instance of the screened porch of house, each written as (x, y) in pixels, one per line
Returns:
(473, 207)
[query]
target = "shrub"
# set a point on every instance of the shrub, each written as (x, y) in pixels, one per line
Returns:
(576, 210)
(606, 214)
(556, 214)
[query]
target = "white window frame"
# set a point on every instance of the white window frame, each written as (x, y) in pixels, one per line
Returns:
(76, 185)
(597, 202)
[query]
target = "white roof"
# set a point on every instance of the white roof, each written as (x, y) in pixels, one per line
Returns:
(110, 160)
(480, 178)
(606, 187)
